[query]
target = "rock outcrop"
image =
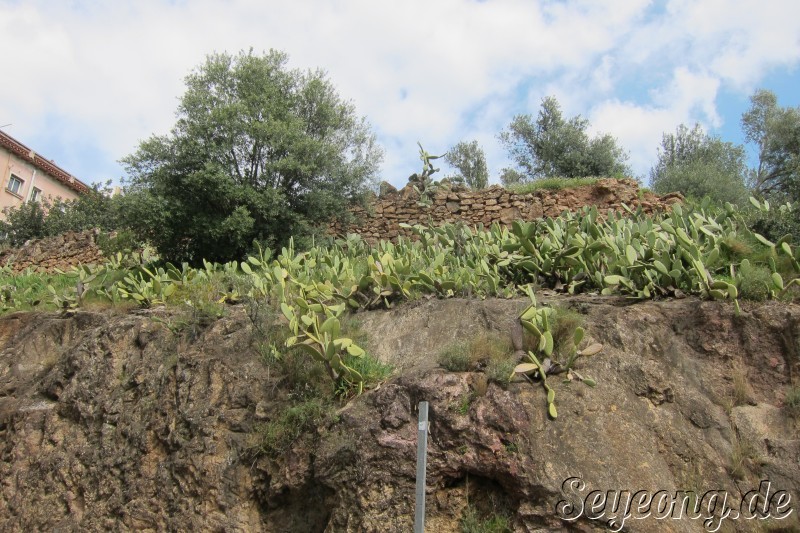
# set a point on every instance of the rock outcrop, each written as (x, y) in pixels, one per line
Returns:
(146, 421)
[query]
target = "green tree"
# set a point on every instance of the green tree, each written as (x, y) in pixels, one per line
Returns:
(469, 159)
(697, 165)
(93, 209)
(776, 133)
(22, 223)
(555, 147)
(511, 176)
(36, 219)
(259, 152)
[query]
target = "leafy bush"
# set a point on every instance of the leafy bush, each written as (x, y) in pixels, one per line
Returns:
(754, 284)
(23, 223)
(93, 209)
(778, 221)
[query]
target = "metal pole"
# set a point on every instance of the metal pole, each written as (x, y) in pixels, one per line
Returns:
(422, 463)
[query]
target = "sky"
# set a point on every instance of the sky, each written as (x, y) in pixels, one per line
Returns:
(84, 82)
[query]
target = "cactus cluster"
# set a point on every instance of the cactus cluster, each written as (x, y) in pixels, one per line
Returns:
(626, 253)
(538, 321)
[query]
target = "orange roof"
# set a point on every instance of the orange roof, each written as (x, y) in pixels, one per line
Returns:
(58, 173)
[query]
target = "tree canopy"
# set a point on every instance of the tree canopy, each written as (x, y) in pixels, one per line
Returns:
(776, 133)
(469, 159)
(698, 165)
(259, 152)
(553, 146)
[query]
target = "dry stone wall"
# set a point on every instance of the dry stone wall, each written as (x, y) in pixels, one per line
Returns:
(381, 218)
(61, 251)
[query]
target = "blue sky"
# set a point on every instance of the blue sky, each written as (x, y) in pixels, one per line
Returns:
(88, 80)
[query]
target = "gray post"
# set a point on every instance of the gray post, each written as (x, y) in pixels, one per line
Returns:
(422, 463)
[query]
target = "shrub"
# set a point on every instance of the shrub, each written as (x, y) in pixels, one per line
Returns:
(755, 283)
(471, 522)
(277, 436)
(775, 223)
(456, 357)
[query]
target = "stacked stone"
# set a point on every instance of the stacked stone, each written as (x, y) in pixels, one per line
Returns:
(382, 217)
(51, 253)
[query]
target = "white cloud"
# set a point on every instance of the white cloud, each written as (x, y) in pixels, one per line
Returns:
(110, 73)
(689, 98)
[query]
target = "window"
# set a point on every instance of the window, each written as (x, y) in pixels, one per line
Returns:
(36, 194)
(14, 184)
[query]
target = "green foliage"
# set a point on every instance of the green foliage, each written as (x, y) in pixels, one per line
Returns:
(485, 350)
(554, 146)
(694, 249)
(698, 165)
(500, 370)
(34, 220)
(296, 422)
(123, 241)
(373, 371)
(469, 159)
(29, 290)
(792, 401)
(259, 152)
(23, 223)
(425, 186)
(776, 133)
(754, 283)
(456, 357)
(557, 335)
(96, 208)
(552, 184)
(472, 522)
(776, 222)
(510, 178)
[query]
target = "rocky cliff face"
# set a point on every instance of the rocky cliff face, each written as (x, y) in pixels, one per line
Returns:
(120, 421)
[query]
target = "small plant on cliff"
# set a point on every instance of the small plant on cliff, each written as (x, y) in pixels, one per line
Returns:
(540, 322)
(792, 401)
(456, 357)
(472, 522)
(300, 420)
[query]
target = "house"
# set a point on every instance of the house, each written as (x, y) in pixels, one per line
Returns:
(27, 176)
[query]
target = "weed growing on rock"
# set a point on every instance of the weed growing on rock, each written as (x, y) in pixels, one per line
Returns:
(296, 422)
(456, 357)
(489, 351)
(741, 386)
(744, 457)
(792, 401)
(500, 371)
(472, 522)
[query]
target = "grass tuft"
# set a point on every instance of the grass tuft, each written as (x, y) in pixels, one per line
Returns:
(551, 184)
(472, 522)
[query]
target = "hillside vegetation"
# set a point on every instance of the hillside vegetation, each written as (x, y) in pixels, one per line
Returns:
(705, 251)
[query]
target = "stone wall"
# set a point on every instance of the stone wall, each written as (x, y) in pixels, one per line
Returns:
(61, 251)
(382, 217)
